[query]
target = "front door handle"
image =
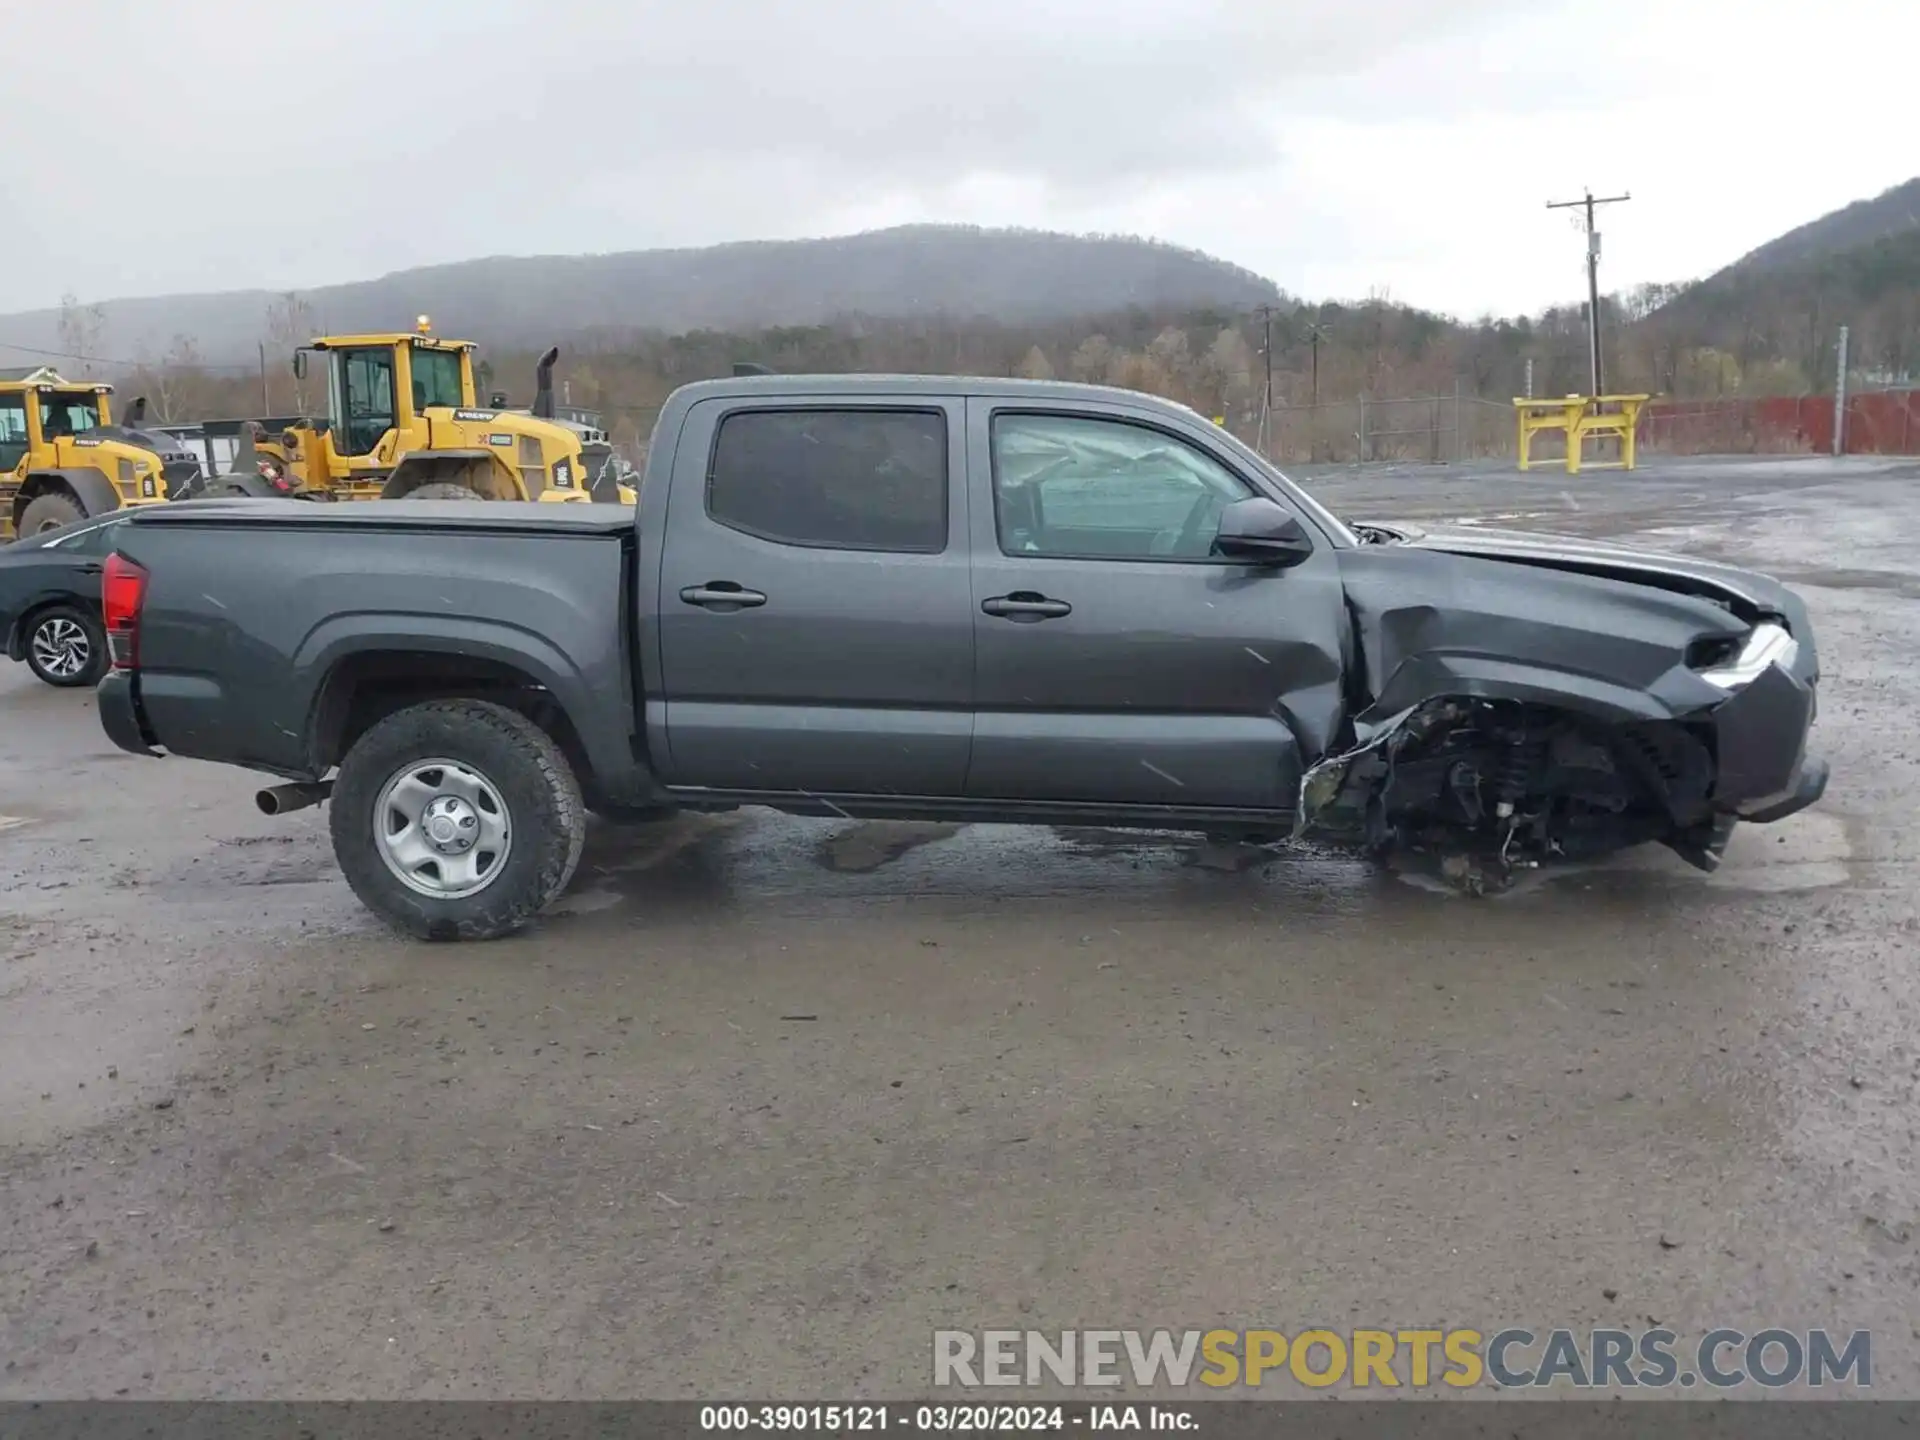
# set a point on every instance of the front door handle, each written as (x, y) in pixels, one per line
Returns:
(722, 595)
(1026, 606)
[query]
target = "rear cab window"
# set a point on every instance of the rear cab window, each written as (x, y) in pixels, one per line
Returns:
(840, 479)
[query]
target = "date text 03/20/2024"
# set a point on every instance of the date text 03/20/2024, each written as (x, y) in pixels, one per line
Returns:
(946, 1419)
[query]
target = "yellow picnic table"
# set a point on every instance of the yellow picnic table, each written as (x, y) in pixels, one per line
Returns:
(1580, 416)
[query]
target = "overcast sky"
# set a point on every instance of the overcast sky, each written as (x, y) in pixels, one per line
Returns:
(1340, 147)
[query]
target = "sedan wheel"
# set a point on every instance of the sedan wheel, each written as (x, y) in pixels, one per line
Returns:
(65, 650)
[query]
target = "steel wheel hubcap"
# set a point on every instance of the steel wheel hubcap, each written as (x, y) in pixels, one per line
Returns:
(60, 648)
(442, 828)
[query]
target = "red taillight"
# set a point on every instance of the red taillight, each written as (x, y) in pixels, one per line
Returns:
(122, 589)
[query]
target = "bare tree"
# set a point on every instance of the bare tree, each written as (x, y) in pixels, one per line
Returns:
(82, 328)
(181, 383)
(289, 326)
(1035, 365)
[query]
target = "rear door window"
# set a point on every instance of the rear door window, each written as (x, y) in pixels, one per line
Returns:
(858, 479)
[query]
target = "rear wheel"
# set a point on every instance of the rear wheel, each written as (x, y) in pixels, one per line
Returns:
(67, 647)
(457, 820)
(443, 490)
(50, 512)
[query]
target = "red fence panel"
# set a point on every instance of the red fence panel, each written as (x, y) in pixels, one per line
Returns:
(1878, 423)
(1885, 422)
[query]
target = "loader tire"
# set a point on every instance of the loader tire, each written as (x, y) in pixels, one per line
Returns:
(456, 820)
(49, 512)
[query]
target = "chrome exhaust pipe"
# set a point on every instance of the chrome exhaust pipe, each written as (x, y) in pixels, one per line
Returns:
(284, 799)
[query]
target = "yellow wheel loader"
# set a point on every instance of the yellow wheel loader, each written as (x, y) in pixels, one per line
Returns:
(402, 424)
(63, 459)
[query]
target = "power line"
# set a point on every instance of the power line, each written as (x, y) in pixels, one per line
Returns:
(108, 360)
(1593, 271)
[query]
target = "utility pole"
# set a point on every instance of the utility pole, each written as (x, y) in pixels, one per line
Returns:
(1315, 333)
(1266, 350)
(266, 403)
(1840, 397)
(1266, 347)
(1593, 272)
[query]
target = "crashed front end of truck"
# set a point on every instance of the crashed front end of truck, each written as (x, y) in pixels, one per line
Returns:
(1524, 701)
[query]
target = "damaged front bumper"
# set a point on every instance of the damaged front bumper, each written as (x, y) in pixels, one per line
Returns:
(1759, 769)
(1762, 771)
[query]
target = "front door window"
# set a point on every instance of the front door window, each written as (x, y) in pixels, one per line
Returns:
(13, 431)
(366, 395)
(1068, 487)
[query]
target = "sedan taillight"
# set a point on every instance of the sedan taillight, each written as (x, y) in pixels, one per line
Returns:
(123, 589)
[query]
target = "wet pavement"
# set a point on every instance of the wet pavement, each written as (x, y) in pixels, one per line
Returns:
(766, 1100)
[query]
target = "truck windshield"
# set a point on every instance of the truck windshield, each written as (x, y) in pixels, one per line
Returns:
(68, 412)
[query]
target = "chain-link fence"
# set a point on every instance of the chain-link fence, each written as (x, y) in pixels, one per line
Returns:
(1435, 429)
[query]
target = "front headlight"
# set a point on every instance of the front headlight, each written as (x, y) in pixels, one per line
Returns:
(1768, 644)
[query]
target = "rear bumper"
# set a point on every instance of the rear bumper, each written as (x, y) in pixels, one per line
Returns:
(120, 713)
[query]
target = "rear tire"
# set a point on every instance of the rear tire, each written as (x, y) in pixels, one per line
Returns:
(67, 647)
(444, 490)
(520, 785)
(49, 512)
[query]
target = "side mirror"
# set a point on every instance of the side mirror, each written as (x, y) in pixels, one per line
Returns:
(300, 364)
(1260, 531)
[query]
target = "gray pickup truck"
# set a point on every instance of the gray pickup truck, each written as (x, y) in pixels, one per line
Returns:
(968, 599)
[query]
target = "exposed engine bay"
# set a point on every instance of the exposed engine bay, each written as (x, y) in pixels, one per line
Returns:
(1494, 788)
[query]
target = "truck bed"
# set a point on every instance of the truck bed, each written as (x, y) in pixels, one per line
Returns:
(260, 614)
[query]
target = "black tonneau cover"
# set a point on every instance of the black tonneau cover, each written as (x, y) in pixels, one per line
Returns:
(512, 516)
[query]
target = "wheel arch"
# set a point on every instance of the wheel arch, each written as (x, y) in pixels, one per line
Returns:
(476, 469)
(363, 686)
(15, 641)
(88, 489)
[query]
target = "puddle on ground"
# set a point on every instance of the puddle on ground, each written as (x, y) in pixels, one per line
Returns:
(866, 845)
(624, 849)
(1808, 851)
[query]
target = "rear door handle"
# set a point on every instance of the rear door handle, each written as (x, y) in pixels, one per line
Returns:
(1026, 606)
(722, 595)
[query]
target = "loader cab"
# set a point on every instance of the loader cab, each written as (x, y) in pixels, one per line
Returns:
(34, 414)
(379, 388)
(63, 459)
